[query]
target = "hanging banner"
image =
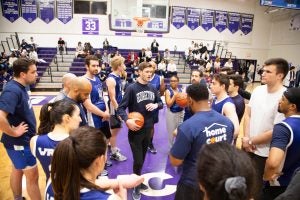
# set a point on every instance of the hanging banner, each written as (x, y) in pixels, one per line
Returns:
(246, 23)
(234, 22)
(207, 19)
(64, 9)
(90, 26)
(46, 12)
(10, 9)
(178, 17)
(221, 20)
(193, 18)
(29, 10)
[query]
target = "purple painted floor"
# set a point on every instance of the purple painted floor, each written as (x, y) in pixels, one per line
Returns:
(160, 175)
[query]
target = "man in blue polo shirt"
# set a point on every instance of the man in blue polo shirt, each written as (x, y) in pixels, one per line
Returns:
(284, 157)
(17, 121)
(205, 126)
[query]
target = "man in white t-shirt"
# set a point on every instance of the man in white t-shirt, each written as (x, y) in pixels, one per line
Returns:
(261, 114)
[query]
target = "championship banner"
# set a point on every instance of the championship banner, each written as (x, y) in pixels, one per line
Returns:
(64, 9)
(234, 22)
(10, 9)
(46, 10)
(207, 19)
(90, 26)
(221, 20)
(178, 16)
(193, 18)
(29, 10)
(246, 23)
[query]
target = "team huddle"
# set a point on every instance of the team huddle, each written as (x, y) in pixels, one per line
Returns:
(203, 125)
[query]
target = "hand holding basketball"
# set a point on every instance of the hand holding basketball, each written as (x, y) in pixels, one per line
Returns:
(181, 99)
(138, 119)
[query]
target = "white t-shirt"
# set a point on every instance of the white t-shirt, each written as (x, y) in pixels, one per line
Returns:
(172, 67)
(264, 114)
(227, 64)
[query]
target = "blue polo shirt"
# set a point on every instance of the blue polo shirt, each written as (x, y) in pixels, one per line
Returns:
(15, 101)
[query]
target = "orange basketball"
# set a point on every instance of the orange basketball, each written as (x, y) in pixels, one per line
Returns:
(138, 116)
(181, 100)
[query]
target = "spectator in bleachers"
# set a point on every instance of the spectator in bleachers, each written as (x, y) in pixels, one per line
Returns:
(142, 56)
(209, 68)
(154, 46)
(103, 73)
(98, 54)
(4, 77)
(171, 68)
(228, 64)
(24, 54)
(105, 44)
(32, 43)
(205, 56)
(187, 53)
(34, 56)
(131, 58)
(167, 55)
(162, 68)
(61, 45)
(251, 73)
(105, 58)
(79, 51)
(12, 58)
(158, 58)
(24, 45)
(148, 54)
(88, 48)
(202, 48)
(217, 65)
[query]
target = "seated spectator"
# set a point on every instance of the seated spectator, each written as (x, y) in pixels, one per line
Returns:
(158, 58)
(225, 172)
(162, 68)
(228, 64)
(24, 45)
(88, 48)
(167, 56)
(154, 46)
(103, 73)
(34, 56)
(171, 69)
(205, 56)
(148, 54)
(80, 51)
(33, 44)
(12, 59)
(105, 44)
(142, 55)
(98, 54)
(217, 65)
(131, 57)
(202, 48)
(105, 58)
(209, 67)
(83, 155)
(61, 45)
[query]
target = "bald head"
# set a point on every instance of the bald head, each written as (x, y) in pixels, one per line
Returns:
(66, 81)
(80, 89)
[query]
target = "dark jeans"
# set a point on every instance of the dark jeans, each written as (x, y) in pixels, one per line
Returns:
(139, 141)
(259, 165)
(185, 192)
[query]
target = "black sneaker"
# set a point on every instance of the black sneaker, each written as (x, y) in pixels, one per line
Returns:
(136, 195)
(143, 187)
(152, 149)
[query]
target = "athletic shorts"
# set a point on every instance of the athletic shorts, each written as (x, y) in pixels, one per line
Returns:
(21, 157)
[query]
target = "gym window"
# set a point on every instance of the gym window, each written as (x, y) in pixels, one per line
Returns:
(96, 7)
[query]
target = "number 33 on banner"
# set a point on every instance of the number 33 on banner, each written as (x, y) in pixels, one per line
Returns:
(90, 26)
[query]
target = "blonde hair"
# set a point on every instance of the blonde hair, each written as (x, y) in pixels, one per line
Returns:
(116, 62)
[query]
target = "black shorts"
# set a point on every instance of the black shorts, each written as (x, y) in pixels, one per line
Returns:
(106, 130)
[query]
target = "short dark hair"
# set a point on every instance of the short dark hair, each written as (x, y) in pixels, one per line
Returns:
(199, 71)
(222, 79)
(144, 65)
(218, 164)
(282, 66)
(198, 92)
(293, 96)
(237, 80)
(174, 76)
(89, 58)
(22, 65)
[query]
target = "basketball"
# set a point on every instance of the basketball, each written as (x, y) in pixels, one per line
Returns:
(181, 100)
(138, 116)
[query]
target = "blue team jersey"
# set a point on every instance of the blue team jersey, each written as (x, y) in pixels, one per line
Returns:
(118, 88)
(44, 149)
(219, 106)
(15, 101)
(202, 128)
(292, 149)
(97, 99)
(175, 107)
(155, 81)
(87, 194)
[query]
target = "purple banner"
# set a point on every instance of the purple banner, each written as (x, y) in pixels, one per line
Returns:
(121, 23)
(178, 16)
(193, 18)
(29, 10)
(155, 24)
(154, 35)
(123, 33)
(234, 22)
(207, 19)
(221, 20)
(47, 10)
(246, 23)
(10, 9)
(64, 9)
(90, 26)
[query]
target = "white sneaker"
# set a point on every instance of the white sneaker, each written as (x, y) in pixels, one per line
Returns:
(118, 156)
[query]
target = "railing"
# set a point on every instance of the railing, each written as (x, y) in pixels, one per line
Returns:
(50, 73)
(56, 62)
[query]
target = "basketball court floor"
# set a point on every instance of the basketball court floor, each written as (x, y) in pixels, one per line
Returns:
(159, 174)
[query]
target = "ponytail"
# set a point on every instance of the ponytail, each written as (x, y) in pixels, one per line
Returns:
(45, 124)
